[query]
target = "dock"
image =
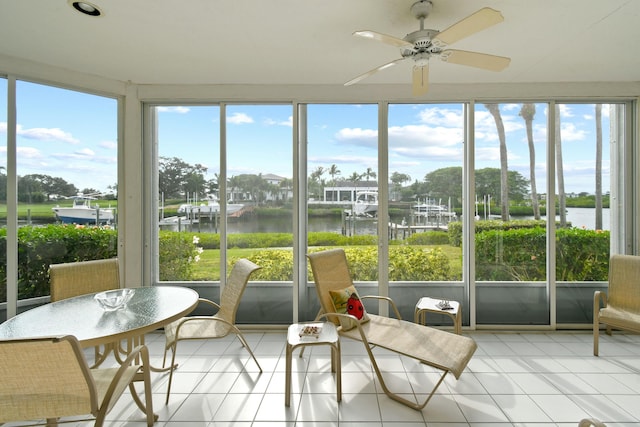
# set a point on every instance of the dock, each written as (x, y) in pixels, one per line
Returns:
(407, 230)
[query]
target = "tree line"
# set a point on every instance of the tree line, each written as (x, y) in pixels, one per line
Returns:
(40, 188)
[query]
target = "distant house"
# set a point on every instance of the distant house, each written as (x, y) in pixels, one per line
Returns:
(284, 193)
(346, 191)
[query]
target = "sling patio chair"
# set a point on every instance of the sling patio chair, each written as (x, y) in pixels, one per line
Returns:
(71, 279)
(44, 379)
(439, 349)
(619, 306)
(219, 325)
(83, 277)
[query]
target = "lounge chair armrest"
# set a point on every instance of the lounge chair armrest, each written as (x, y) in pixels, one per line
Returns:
(389, 300)
(331, 316)
(208, 302)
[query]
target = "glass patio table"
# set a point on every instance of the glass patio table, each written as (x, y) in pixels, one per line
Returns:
(149, 309)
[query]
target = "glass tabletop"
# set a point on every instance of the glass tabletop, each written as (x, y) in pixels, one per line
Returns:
(149, 309)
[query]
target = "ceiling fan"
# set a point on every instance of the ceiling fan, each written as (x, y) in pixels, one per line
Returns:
(423, 44)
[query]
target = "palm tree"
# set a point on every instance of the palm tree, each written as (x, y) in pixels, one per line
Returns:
(494, 109)
(333, 171)
(562, 197)
(355, 177)
(316, 181)
(528, 112)
(233, 183)
(370, 173)
(598, 166)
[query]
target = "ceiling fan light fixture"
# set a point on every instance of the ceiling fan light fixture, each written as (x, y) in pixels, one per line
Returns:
(86, 8)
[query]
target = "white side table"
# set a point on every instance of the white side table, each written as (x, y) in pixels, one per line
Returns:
(328, 336)
(430, 305)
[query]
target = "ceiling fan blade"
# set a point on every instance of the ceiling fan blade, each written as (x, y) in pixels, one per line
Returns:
(475, 59)
(420, 80)
(478, 21)
(384, 38)
(375, 70)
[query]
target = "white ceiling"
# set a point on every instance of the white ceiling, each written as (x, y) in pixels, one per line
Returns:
(310, 41)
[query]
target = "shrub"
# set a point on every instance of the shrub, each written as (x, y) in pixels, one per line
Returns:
(177, 253)
(521, 255)
(406, 263)
(39, 247)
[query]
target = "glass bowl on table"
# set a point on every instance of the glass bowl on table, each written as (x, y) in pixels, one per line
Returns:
(115, 299)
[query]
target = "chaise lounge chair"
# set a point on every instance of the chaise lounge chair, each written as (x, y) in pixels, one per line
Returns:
(439, 349)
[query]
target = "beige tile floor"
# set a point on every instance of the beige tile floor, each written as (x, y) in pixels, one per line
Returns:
(514, 379)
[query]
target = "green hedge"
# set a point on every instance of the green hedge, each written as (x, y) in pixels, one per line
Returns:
(406, 263)
(521, 255)
(38, 247)
(512, 252)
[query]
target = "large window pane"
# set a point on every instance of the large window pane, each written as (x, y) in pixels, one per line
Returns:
(188, 147)
(510, 233)
(67, 181)
(583, 149)
(260, 214)
(342, 187)
(426, 149)
(342, 183)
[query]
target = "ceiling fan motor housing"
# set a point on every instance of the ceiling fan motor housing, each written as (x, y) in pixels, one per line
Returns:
(421, 9)
(422, 43)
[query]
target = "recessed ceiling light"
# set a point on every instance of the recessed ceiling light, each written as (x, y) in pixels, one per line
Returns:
(86, 8)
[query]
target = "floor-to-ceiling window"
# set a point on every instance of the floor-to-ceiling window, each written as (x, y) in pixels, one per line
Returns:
(585, 140)
(233, 184)
(259, 194)
(510, 207)
(342, 185)
(188, 150)
(426, 161)
(66, 181)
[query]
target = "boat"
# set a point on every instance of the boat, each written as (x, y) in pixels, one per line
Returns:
(212, 206)
(81, 212)
(366, 203)
(432, 210)
(178, 220)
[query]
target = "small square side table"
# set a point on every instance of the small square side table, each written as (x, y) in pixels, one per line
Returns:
(430, 305)
(328, 336)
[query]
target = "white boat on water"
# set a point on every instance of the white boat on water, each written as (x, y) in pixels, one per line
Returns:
(81, 212)
(366, 203)
(212, 206)
(433, 210)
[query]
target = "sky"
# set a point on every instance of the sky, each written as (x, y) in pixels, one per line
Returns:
(73, 135)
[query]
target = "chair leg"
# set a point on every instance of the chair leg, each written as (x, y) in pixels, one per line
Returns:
(172, 368)
(596, 335)
(394, 396)
(246, 345)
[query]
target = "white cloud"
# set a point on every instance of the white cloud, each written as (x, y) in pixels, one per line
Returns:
(287, 123)
(570, 132)
(239, 118)
(179, 110)
(46, 134)
(109, 145)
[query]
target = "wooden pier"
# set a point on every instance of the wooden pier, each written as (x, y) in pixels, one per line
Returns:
(407, 230)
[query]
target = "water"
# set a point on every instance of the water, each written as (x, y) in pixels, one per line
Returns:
(578, 217)
(585, 218)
